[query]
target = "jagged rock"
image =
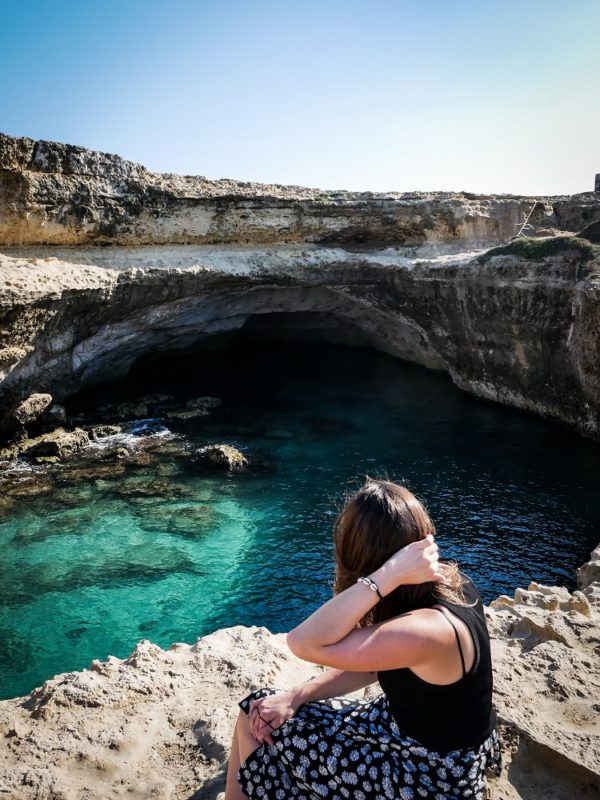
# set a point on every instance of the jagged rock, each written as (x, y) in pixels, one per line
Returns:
(10, 355)
(551, 598)
(24, 413)
(101, 431)
(219, 456)
(589, 573)
(58, 443)
(9, 453)
(115, 454)
(53, 417)
(546, 681)
(204, 403)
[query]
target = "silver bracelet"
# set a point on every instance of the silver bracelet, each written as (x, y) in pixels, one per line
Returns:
(371, 584)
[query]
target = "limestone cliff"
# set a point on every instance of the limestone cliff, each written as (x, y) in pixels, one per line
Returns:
(520, 325)
(509, 327)
(52, 193)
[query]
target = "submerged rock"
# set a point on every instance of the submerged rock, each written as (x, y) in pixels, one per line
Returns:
(149, 487)
(30, 486)
(189, 522)
(75, 474)
(219, 456)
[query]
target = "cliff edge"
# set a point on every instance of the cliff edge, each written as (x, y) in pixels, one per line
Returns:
(159, 723)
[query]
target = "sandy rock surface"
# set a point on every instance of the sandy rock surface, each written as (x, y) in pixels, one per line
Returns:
(158, 724)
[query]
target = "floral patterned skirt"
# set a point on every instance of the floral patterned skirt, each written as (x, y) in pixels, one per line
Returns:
(343, 748)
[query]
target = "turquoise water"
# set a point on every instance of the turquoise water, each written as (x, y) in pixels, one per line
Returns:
(93, 568)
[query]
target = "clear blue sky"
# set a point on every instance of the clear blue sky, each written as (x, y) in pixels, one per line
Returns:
(401, 95)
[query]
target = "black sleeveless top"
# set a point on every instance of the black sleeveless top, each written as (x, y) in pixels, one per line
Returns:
(455, 716)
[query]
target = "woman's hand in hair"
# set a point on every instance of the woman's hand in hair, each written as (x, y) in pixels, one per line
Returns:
(268, 713)
(415, 563)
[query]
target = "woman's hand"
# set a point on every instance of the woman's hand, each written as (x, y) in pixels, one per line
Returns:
(417, 562)
(268, 713)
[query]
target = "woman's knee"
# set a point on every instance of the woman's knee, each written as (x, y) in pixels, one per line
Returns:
(243, 722)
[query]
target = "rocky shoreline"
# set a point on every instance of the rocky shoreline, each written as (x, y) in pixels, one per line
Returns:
(159, 723)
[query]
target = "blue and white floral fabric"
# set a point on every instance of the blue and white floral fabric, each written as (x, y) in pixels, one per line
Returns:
(345, 749)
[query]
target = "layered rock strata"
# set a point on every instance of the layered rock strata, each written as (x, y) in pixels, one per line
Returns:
(517, 325)
(159, 723)
(52, 193)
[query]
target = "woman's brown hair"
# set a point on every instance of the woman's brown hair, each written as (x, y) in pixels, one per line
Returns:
(373, 524)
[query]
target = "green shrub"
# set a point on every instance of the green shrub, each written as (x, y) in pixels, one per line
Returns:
(537, 249)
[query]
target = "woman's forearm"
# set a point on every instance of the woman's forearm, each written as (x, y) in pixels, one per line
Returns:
(340, 614)
(330, 623)
(330, 683)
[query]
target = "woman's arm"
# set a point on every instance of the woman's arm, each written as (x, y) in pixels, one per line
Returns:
(280, 707)
(329, 636)
(331, 683)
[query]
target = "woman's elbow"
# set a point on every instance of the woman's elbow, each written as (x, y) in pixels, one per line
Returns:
(297, 645)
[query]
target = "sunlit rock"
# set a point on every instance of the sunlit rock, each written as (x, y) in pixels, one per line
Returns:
(219, 456)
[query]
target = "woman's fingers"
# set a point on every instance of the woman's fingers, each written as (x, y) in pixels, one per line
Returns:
(261, 723)
(265, 730)
(254, 715)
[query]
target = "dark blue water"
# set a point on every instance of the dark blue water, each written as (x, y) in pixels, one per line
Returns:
(89, 570)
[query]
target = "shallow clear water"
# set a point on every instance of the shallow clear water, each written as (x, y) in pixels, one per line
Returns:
(514, 498)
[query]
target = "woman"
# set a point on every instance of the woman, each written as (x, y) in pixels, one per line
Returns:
(399, 617)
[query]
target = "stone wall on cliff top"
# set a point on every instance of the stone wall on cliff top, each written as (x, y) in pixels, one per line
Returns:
(158, 724)
(52, 193)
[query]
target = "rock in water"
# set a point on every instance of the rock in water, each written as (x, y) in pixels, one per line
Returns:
(58, 443)
(101, 431)
(24, 413)
(220, 456)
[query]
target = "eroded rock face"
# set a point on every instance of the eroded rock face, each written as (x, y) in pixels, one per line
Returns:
(25, 413)
(520, 325)
(159, 723)
(52, 193)
(547, 685)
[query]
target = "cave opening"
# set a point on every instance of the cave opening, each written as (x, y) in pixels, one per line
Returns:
(152, 548)
(226, 364)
